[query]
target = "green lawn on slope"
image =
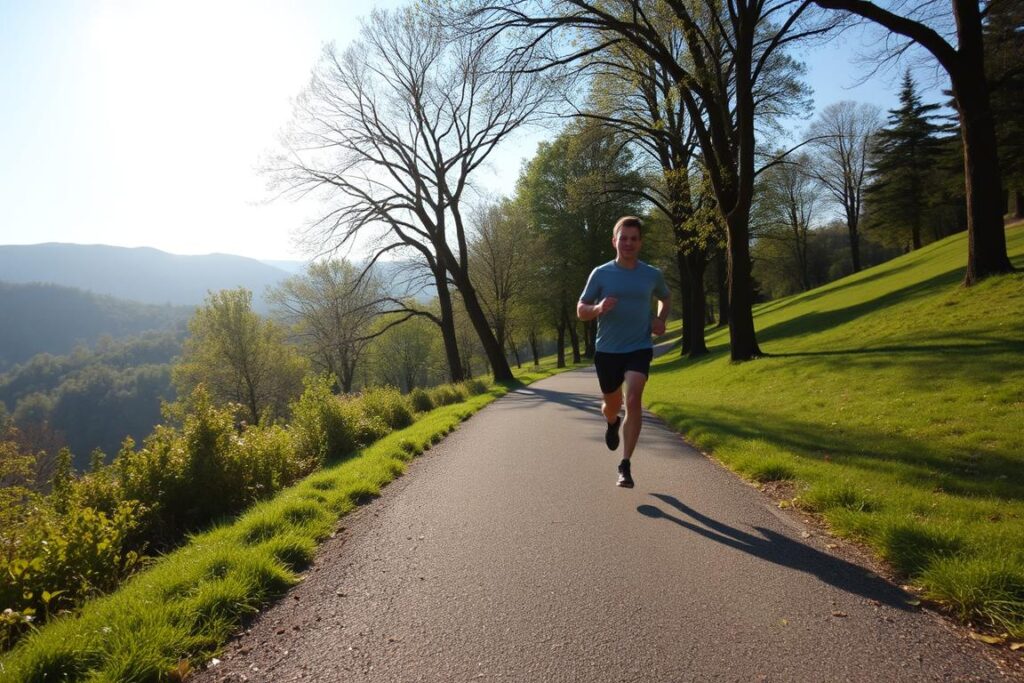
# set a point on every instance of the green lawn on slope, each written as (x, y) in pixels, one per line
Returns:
(894, 400)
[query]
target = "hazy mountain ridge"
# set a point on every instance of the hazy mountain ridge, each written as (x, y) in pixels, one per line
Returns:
(140, 274)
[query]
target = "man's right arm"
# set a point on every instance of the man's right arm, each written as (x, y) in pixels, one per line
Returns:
(587, 312)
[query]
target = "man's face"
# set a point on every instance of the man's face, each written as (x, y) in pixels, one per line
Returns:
(627, 242)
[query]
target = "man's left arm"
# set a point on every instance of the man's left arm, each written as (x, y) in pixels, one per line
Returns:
(658, 324)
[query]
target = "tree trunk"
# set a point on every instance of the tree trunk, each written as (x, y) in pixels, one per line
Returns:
(684, 285)
(534, 347)
(451, 345)
(560, 353)
(574, 338)
(589, 330)
(722, 277)
(742, 339)
(852, 220)
(515, 351)
(986, 236)
(696, 263)
(495, 352)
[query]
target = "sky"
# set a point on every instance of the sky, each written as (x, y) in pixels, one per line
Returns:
(142, 122)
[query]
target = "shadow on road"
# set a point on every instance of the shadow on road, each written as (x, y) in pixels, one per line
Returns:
(779, 549)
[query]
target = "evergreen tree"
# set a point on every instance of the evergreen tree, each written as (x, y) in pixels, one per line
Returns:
(1004, 66)
(902, 184)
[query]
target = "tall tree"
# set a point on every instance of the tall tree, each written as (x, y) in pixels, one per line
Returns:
(240, 357)
(965, 64)
(393, 129)
(734, 71)
(841, 137)
(634, 95)
(902, 169)
(575, 188)
(331, 309)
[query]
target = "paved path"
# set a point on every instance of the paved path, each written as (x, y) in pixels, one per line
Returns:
(507, 553)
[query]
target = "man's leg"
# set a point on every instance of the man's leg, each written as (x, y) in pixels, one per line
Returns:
(611, 405)
(635, 382)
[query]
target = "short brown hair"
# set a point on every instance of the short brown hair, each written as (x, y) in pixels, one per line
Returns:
(628, 222)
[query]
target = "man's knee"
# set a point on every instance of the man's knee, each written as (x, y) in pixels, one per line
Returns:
(613, 400)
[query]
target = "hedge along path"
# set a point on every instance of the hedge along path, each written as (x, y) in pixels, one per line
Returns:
(179, 612)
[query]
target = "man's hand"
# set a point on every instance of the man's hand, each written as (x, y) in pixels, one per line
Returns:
(657, 326)
(606, 304)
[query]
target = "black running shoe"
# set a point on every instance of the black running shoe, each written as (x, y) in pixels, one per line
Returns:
(611, 434)
(625, 479)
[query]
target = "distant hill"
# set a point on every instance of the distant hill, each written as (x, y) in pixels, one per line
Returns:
(138, 274)
(46, 318)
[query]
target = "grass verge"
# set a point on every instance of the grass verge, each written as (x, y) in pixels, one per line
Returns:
(178, 613)
(893, 400)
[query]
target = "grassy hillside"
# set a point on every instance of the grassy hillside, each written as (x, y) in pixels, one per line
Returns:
(893, 401)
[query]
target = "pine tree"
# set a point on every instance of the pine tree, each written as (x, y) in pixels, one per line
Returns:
(905, 154)
(1004, 67)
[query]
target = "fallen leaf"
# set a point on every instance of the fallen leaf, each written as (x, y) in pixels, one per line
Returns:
(783, 504)
(784, 622)
(831, 546)
(914, 602)
(1016, 646)
(991, 640)
(804, 534)
(837, 613)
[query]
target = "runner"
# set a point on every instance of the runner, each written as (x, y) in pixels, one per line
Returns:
(618, 294)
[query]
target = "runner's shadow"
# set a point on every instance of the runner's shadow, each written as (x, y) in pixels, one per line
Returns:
(590, 403)
(779, 549)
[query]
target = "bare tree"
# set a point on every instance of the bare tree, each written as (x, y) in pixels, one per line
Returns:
(787, 204)
(923, 24)
(331, 310)
(734, 70)
(504, 254)
(842, 137)
(391, 130)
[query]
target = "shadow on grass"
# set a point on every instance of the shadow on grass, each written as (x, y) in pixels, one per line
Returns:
(813, 322)
(781, 550)
(910, 461)
(984, 359)
(826, 289)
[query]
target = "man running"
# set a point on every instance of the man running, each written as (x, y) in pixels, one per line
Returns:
(618, 294)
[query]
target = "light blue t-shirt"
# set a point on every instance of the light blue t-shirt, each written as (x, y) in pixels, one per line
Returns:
(627, 327)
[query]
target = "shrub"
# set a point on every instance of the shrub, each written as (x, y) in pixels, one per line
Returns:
(52, 561)
(389, 405)
(325, 427)
(474, 387)
(446, 394)
(420, 400)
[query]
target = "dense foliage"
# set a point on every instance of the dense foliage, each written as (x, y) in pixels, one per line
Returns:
(200, 466)
(91, 399)
(45, 318)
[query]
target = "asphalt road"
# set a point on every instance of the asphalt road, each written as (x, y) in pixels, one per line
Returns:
(507, 553)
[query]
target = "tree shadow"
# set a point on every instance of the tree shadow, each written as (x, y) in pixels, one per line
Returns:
(828, 288)
(912, 461)
(819, 321)
(781, 550)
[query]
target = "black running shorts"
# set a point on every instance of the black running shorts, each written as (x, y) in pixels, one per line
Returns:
(612, 367)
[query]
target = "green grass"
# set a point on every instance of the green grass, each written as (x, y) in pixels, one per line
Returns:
(894, 400)
(178, 613)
